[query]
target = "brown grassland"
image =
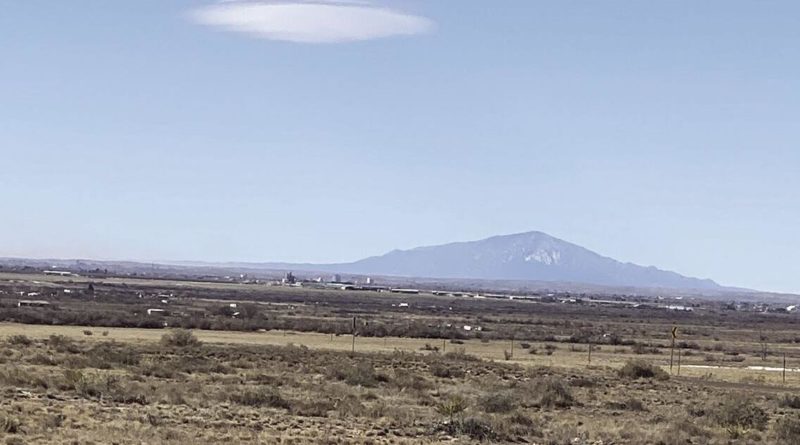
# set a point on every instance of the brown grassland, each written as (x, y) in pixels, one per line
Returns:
(248, 379)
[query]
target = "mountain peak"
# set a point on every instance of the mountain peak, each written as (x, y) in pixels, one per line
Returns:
(531, 255)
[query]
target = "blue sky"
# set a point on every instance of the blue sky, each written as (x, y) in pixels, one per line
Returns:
(662, 133)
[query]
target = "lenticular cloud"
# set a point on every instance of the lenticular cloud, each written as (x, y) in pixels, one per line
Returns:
(311, 22)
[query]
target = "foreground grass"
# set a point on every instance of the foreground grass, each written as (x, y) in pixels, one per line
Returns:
(180, 389)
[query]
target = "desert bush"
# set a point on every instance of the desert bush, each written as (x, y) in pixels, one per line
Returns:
(583, 382)
(42, 359)
(738, 413)
(640, 369)
(681, 431)
(9, 424)
(16, 376)
(629, 404)
(460, 354)
(350, 406)
(514, 426)
(507, 355)
(789, 401)
(525, 345)
(62, 343)
(476, 429)
(180, 338)
(158, 369)
(362, 374)
(451, 407)
(20, 340)
(405, 379)
(642, 348)
(553, 393)
(446, 370)
(87, 332)
(86, 385)
(259, 397)
(108, 355)
(312, 407)
(103, 386)
(787, 430)
(498, 402)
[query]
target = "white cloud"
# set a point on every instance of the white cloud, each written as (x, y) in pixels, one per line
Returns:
(321, 21)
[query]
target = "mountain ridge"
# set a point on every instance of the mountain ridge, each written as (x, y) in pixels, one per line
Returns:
(532, 255)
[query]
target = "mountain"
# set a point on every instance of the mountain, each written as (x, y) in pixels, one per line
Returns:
(523, 256)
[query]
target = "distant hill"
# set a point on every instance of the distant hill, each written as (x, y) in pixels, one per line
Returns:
(523, 256)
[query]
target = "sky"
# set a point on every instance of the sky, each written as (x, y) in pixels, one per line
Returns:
(660, 133)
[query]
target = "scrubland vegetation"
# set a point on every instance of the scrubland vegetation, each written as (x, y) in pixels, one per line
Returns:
(278, 369)
(181, 390)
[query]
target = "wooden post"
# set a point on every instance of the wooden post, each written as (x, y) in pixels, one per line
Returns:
(784, 367)
(679, 361)
(444, 345)
(590, 353)
(671, 354)
(353, 349)
(512, 347)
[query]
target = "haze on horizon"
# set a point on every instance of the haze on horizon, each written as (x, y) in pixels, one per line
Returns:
(657, 133)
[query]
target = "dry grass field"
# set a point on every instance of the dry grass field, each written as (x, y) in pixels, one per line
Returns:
(132, 386)
(415, 377)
